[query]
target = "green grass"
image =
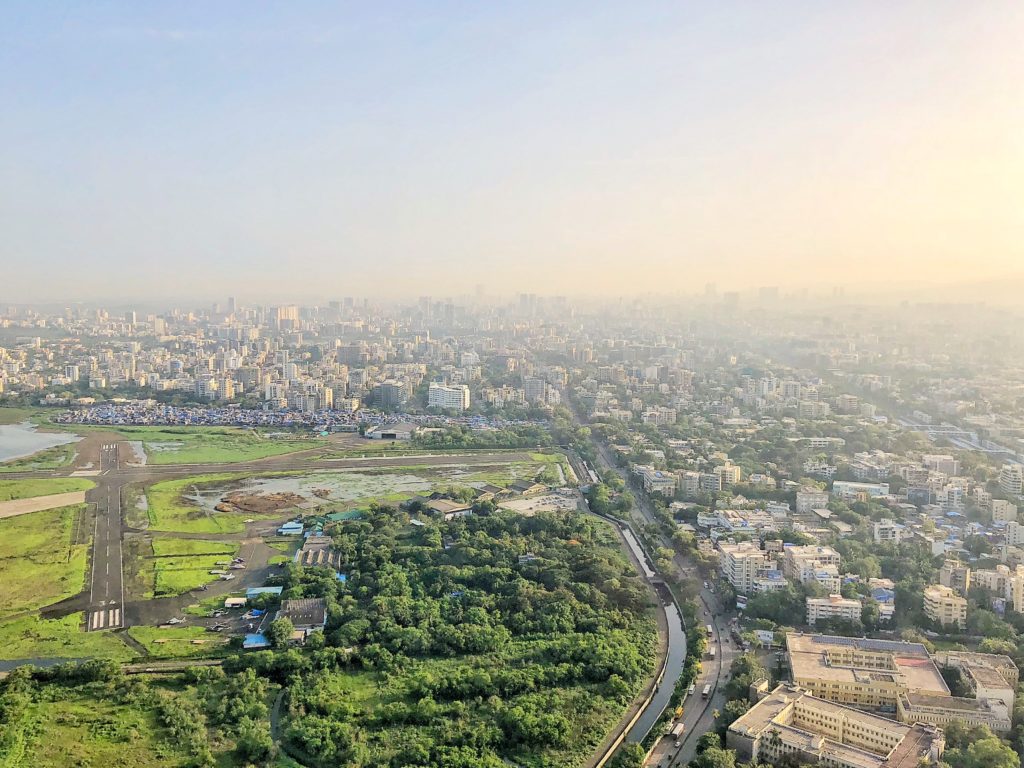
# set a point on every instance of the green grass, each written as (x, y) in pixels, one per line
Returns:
(39, 564)
(11, 490)
(208, 605)
(180, 547)
(184, 574)
(51, 458)
(177, 642)
(84, 727)
(169, 512)
(31, 637)
(181, 565)
(212, 445)
(10, 415)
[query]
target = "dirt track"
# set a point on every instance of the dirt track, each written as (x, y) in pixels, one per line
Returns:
(39, 503)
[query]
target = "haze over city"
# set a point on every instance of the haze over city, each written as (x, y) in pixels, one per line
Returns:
(512, 385)
(196, 150)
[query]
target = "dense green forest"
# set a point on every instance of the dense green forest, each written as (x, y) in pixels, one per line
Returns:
(483, 641)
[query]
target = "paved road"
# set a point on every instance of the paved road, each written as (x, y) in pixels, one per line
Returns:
(106, 586)
(105, 607)
(698, 713)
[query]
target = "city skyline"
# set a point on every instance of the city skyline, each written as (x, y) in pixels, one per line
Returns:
(594, 150)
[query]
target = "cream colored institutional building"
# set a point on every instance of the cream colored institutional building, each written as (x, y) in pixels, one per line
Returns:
(901, 680)
(790, 721)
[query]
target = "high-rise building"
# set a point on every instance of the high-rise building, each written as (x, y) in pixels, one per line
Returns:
(1011, 479)
(448, 396)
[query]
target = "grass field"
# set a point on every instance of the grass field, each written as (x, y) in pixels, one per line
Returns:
(178, 642)
(181, 565)
(213, 445)
(10, 415)
(169, 512)
(32, 637)
(52, 458)
(11, 490)
(39, 565)
(84, 727)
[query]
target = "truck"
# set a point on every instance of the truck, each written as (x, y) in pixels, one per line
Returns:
(707, 691)
(693, 689)
(677, 734)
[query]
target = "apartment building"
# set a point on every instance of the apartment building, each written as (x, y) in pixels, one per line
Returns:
(448, 396)
(955, 575)
(742, 563)
(812, 563)
(850, 491)
(728, 474)
(888, 531)
(833, 607)
(810, 499)
(1011, 479)
(792, 722)
(1003, 511)
(944, 605)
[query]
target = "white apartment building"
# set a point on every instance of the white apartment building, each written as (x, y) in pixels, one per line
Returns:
(832, 607)
(886, 530)
(844, 489)
(741, 563)
(1011, 479)
(809, 499)
(448, 396)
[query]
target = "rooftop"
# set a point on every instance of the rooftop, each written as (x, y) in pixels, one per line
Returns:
(821, 657)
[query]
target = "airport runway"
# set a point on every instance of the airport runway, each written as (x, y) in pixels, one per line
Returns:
(105, 607)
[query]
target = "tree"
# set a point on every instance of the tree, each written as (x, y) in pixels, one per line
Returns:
(254, 744)
(280, 632)
(629, 756)
(989, 752)
(716, 757)
(707, 741)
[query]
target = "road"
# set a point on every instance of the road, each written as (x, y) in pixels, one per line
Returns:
(106, 584)
(698, 713)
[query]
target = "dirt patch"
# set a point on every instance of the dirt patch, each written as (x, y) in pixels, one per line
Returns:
(247, 503)
(40, 503)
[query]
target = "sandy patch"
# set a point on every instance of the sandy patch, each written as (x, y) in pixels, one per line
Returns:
(40, 503)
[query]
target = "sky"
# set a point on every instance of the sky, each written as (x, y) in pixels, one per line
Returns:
(291, 150)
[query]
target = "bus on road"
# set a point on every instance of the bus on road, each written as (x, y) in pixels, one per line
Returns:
(707, 691)
(711, 630)
(711, 653)
(693, 689)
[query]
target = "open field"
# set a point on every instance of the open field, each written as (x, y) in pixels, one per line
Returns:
(57, 457)
(11, 490)
(168, 511)
(40, 503)
(174, 566)
(209, 445)
(178, 642)
(39, 564)
(10, 415)
(87, 726)
(196, 504)
(33, 637)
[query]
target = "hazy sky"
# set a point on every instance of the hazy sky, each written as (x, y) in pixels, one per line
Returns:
(325, 149)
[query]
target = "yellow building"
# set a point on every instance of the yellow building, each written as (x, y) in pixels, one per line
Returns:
(944, 605)
(790, 721)
(901, 680)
